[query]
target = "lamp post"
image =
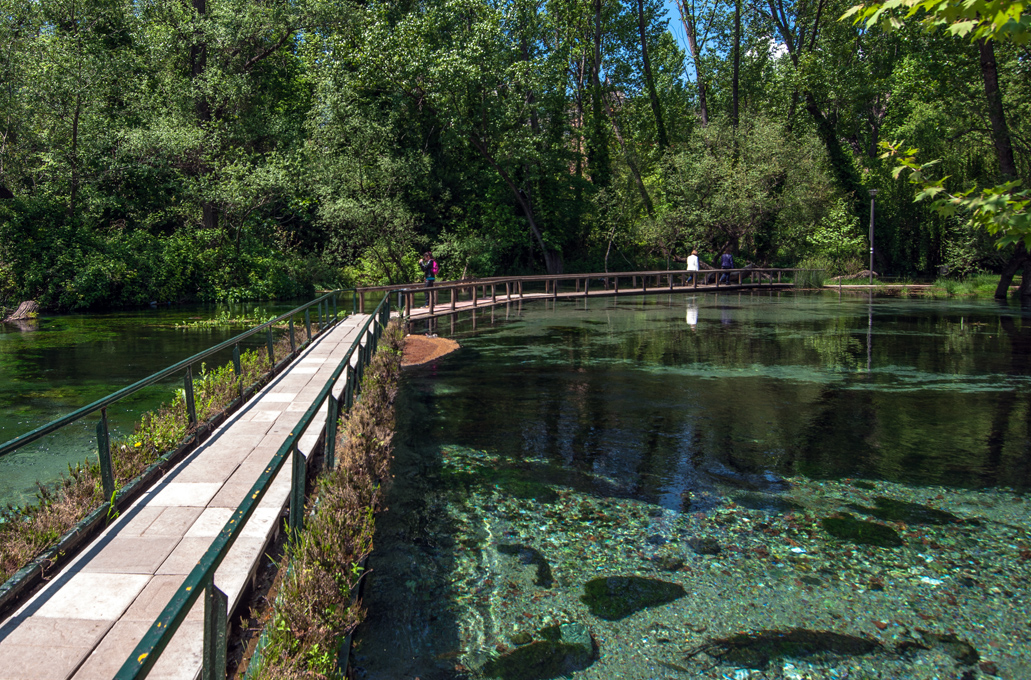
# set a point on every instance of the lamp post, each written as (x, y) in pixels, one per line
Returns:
(873, 194)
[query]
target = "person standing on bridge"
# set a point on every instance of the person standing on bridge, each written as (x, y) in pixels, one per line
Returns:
(429, 270)
(726, 262)
(692, 265)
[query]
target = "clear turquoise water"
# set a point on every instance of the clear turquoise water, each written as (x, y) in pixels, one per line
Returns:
(585, 433)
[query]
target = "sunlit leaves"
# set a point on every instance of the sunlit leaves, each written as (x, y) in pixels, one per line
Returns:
(972, 19)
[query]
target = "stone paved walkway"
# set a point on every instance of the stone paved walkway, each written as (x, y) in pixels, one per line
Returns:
(86, 621)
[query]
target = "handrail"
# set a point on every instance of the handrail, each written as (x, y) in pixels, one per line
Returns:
(568, 275)
(202, 577)
(513, 286)
(104, 402)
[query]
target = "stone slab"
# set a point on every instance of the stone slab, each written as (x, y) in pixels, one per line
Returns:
(93, 596)
(131, 555)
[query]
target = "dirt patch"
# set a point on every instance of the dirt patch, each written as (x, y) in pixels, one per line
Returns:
(420, 349)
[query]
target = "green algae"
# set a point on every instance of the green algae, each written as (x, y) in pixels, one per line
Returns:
(848, 528)
(617, 597)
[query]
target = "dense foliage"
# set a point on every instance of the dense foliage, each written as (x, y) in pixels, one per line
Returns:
(230, 150)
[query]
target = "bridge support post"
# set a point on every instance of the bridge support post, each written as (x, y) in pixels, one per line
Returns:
(216, 624)
(554, 289)
(293, 342)
(520, 290)
(472, 292)
(270, 346)
(587, 286)
(615, 284)
(238, 368)
(191, 405)
(307, 323)
(493, 292)
(508, 290)
(104, 452)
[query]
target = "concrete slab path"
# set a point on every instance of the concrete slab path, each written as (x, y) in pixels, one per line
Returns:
(87, 620)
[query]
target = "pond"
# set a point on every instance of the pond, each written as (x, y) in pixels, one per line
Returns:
(56, 364)
(766, 485)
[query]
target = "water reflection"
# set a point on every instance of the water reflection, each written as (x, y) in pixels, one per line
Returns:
(616, 442)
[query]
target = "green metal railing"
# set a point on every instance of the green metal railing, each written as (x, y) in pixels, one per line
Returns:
(201, 580)
(326, 315)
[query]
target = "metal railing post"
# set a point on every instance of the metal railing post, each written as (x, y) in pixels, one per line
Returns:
(216, 623)
(349, 387)
(104, 452)
(238, 368)
(293, 343)
(331, 431)
(268, 343)
(191, 406)
(307, 323)
(297, 480)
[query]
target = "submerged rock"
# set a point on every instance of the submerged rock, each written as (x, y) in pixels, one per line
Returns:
(617, 597)
(704, 545)
(756, 650)
(911, 513)
(528, 555)
(848, 528)
(770, 503)
(561, 650)
(963, 652)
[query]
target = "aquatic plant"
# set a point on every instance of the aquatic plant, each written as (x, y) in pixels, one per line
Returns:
(317, 606)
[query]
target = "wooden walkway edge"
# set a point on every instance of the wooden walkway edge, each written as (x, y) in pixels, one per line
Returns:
(87, 620)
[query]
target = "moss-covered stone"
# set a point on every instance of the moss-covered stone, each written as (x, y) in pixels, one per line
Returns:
(528, 555)
(617, 597)
(848, 528)
(560, 650)
(756, 650)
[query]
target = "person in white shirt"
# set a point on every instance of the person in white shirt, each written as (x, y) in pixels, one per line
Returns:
(692, 265)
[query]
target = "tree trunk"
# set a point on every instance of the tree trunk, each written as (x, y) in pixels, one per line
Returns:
(737, 64)
(552, 258)
(693, 47)
(1017, 260)
(841, 164)
(648, 206)
(653, 95)
(996, 115)
(598, 145)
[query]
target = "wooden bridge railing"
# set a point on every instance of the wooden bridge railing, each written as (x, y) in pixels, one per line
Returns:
(488, 290)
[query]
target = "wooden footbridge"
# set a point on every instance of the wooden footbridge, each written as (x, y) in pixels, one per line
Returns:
(452, 297)
(148, 583)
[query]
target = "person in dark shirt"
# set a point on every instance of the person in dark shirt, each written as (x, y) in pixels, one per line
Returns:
(429, 270)
(726, 262)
